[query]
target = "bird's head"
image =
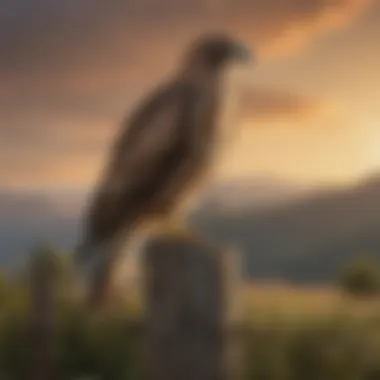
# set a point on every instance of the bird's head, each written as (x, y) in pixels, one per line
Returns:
(217, 51)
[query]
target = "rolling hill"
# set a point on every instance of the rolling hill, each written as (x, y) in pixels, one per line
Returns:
(304, 240)
(283, 232)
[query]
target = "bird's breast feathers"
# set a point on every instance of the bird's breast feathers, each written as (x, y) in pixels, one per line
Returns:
(226, 118)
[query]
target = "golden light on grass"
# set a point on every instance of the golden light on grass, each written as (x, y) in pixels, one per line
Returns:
(293, 304)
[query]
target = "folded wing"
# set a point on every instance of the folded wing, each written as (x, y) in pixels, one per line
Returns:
(145, 160)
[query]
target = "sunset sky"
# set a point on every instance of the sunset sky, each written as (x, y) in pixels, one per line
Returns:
(70, 71)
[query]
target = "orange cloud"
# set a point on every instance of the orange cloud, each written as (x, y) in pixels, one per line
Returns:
(313, 20)
(271, 105)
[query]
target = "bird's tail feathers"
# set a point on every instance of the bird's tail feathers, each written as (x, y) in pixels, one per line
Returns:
(102, 268)
(95, 264)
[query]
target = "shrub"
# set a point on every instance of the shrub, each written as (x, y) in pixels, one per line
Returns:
(361, 277)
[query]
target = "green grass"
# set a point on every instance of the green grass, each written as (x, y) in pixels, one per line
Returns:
(289, 334)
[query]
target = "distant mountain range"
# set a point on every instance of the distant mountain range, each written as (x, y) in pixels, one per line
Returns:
(257, 193)
(284, 231)
(305, 239)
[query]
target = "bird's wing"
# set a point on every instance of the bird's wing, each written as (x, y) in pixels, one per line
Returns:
(142, 160)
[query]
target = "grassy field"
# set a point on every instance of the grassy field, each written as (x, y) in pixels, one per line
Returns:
(290, 333)
(302, 302)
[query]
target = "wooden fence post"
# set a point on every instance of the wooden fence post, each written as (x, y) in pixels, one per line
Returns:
(42, 298)
(191, 310)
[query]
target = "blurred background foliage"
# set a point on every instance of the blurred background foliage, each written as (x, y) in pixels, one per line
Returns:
(335, 344)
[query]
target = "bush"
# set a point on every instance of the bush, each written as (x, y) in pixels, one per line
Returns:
(361, 277)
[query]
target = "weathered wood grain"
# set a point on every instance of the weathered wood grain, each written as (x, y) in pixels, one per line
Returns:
(191, 310)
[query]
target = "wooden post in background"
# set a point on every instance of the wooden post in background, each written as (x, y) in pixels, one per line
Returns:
(191, 308)
(41, 319)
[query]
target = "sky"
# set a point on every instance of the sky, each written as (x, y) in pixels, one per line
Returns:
(70, 71)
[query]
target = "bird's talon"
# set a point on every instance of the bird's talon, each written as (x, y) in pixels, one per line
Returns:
(178, 228)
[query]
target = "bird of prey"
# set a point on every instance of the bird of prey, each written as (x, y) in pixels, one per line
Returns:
(162, 156)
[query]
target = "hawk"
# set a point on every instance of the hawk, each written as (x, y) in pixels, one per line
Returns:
(161, 158)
